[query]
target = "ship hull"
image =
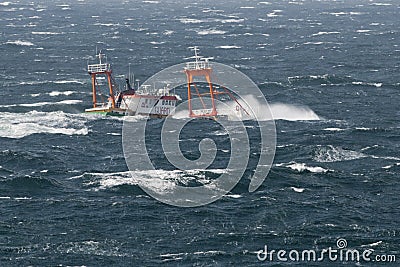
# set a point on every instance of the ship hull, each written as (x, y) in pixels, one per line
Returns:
(145, 105)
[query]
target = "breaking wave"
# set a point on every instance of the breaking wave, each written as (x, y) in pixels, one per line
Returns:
(19, 125)
(334, 154)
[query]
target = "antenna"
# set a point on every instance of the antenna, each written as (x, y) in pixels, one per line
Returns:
(196, 54)
(100, 56)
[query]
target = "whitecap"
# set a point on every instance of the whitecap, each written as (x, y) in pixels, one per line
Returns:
(297, 190)
(324, 33)
(391, 166)
(228, 47)
(20, 43)
(210, 31)
(380, 4)
(19, 125)
(41, 104)
(233, 196)
(58, 93)
(190, 21)
(290, 112)
(160, 181)
(302, 167)
(45, 33)
(363, 31)
(274, 111)
(233, 20)
(336, 154)
(373, 244)
(334, 129)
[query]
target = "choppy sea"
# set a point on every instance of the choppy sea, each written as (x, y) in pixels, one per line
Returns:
(329, 70)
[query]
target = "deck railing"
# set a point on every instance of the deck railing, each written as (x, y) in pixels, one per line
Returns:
(99, 68)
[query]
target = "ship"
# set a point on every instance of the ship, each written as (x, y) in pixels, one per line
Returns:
(153, 103)
(161, 103)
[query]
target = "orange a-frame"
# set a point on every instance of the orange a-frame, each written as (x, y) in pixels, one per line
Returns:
(201, 68)
(99, 69)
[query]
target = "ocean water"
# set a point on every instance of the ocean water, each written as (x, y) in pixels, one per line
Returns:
(329, 70)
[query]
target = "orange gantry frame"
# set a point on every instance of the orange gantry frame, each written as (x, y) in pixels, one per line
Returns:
(101, 69)
(206, 73)
(202, 68)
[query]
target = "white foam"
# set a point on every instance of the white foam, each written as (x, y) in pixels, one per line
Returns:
(298, 190)
(191, 21)
(378, 85)
(19, 125)
(210, 31)
(233, 20)
(336, 154)
(262, 112)
(301, 167)
(41, 104)
(5, 3)
(46, 33)
(324, 33)
(233, 196)
(228, 47)
(380, 4)
(390, 166)
(58, 93)
(363, 31)
(20, 43)
(334, 129)
(373, 244)
(68, 81)
(168, 32)
(315, 43)
(162, 181)
(290, 112)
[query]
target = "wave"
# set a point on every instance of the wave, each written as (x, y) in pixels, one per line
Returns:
(292, 112)
(228, 47)
(46, 33)
(41, 104)
(378, 85)
(319, 79)
(302, 167)
(324, 33)
(20, 43)
(297, 189)
(40, 82)
(19, 125)
(279, 111)
(391, 166)
(336, 154)
(32, 183)
(210, 31)
(157, 180)
(58, 93)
